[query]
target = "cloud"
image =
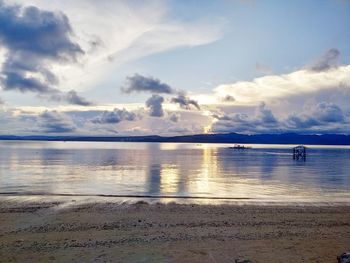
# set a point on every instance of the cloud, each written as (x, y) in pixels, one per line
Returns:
(138, 29)
(328, 112)
(277, 87)
(185, 102)
(70, 97)
(320, 117)
(228, 98)
(35, 39)
(265, 115)
(321, 114)
(262, 121)
(300, 121)
(73, 98)
(30, 31)
(263, 69)
(55, 122)
(174, 117)
(155, 106)
(138, 83)
(115, 116)
(180, 130)
(327, 61)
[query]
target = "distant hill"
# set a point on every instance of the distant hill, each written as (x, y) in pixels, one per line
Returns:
(285, 138)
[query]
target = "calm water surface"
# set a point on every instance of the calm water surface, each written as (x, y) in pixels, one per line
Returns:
(265, 172)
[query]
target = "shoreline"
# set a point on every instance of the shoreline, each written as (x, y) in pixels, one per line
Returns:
(69, 199)
(107, 231)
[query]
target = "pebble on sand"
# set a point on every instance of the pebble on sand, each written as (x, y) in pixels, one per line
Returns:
(344, 258)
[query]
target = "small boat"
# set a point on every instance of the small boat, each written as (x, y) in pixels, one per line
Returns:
(240, 147)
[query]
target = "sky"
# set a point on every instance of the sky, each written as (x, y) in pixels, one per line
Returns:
(110, 68)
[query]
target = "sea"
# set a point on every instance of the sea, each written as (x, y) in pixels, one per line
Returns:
(211, 173)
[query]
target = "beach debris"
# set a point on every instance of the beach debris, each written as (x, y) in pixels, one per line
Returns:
(344, 258)
(142, 202)
(243, 261)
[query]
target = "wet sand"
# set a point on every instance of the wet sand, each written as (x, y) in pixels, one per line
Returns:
(142, 232)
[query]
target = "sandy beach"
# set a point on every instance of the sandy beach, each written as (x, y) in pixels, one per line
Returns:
(142, 232)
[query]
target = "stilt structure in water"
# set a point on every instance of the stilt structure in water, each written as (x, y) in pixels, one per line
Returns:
(299, 152)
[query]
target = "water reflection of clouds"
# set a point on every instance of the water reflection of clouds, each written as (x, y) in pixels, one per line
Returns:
(171, 169)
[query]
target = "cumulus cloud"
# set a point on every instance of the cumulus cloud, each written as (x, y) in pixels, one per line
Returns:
(327, 61)
(264, 120)
(265, 114)
(155, 106)
(276, 87)
(185, 102)
(115, 116)
(55, 122)
(34, 39)
(320, 117)
(29, 31)
(328, 112)
(137, 30)
(138, 83)
(300, 121)
(321, 114)
(73, 98)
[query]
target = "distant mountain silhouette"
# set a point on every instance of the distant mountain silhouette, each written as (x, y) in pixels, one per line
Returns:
(285, 138)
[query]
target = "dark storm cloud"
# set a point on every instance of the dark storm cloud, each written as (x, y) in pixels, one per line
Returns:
(115, 116)
(329, 60)
(185, 102)
(155, 106)
(138, 83)
(33, 39)
(55, 122)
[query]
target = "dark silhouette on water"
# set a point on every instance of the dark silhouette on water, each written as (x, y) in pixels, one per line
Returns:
(299, 152)
(240, 147)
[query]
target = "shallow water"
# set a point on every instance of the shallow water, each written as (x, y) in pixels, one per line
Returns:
(263, 173)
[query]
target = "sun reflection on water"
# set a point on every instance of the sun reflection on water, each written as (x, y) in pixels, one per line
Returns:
(205, 170)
